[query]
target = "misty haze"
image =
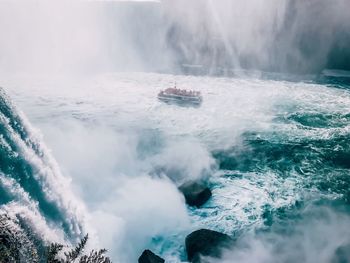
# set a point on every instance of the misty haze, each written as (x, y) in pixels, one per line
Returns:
(199, 131)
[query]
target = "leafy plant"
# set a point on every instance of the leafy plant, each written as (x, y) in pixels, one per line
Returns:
(76, 254)
(17, 245)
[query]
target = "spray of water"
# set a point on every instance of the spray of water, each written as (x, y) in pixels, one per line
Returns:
(93, 36)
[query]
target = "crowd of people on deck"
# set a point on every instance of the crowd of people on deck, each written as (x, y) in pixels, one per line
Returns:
(181, 92)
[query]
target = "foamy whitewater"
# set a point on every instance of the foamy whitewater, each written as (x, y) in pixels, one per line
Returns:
(276, 154)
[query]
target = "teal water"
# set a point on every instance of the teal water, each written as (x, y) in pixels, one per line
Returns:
(31, 198)
(275, 153)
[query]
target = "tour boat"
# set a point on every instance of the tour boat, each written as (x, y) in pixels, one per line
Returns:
(180, 96)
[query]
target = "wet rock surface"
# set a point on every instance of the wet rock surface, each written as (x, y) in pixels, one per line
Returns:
(196, 193)
(207, 243)
(149, 257)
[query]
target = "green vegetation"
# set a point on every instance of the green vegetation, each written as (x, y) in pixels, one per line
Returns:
(76, 254)
(16, 245)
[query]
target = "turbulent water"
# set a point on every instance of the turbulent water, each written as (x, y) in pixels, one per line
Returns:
(276, 155)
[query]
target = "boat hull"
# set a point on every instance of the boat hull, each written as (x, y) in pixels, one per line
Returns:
(180, 99)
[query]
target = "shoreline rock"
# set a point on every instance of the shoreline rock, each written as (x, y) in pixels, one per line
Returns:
(206, 242)
(195, 193)
(148, 256)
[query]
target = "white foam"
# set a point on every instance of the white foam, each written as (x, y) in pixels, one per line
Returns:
(94, 127)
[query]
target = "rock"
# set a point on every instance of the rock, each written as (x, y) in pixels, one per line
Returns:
(207, 243)
(196, 194)
(342, 254)
(149, 257)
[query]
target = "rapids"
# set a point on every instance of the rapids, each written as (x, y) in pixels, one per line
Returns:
(276, 154)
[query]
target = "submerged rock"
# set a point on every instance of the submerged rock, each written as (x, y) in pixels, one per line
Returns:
(196, 194)
(207, 243)
(342, 254)
(149, 257)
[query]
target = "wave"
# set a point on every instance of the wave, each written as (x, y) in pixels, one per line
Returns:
(34, 194)
(275, 153)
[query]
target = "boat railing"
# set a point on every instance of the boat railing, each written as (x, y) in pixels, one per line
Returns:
(179, 92)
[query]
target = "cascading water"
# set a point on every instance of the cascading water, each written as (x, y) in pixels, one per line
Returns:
(275, 154)
(34, 195)
(273, 147)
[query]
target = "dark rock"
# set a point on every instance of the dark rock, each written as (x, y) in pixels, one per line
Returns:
(196, 194)
(207, 243)
(342, 254)
(149, 257)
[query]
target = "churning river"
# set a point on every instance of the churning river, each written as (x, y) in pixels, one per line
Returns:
(102, 155)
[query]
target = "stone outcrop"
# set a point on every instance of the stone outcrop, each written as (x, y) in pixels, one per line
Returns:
(149, 257)
(196, 194)
(206, 242)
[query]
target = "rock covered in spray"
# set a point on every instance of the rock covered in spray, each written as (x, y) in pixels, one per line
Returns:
(206, 242)
(149, 257)
(196, 193)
